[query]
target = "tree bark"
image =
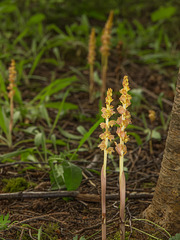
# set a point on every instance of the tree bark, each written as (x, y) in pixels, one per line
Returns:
(165, 207)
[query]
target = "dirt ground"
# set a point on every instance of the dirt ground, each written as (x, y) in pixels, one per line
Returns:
(64, 219)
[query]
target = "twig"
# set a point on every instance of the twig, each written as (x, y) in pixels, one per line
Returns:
(19, 163)
(95, 226)
(80, 196)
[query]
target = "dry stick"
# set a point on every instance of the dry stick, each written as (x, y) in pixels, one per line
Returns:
(79, 196)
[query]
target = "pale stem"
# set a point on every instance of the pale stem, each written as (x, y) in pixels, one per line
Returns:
(105, 151)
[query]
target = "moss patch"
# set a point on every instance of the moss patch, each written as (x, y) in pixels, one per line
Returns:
(16, 184)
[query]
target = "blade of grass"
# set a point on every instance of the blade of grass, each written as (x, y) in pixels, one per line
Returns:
(59, 111)
(87, 135)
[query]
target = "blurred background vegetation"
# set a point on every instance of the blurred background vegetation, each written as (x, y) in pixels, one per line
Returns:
(35, 32)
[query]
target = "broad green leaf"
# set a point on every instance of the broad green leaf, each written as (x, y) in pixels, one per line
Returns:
(176, 237)
(3, 87)
(69, 135)
(163, 13)
(137, 137)
(35, 19)
(72, 175)
(30, 130)
(15, 153)
(57, 142)
(7, 8)
(2, 121)
(17, 96)
(156, 135)
(67, 106)
(131, 126)
(38, 140)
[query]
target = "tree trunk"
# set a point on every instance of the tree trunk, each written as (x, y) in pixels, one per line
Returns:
(165, 207)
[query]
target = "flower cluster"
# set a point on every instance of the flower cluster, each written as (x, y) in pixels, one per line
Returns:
(106, 114)
(12, 78)
(106, 35)
(152, 115)
(124, 119)
(92, 46)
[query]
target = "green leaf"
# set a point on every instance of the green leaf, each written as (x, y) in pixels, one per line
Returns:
(35, 19)
(69, 135)
(57, 142)
(54, 87)
(59, 111)
(72, 175)
(56, 174)
(83, 131)
(156, 135)
(36, 61)
(44, 114)
(40, 233)
(38, 140)
(2, 121)
(16, 117)
(67, 106)
(4, 221)
(163, 13)
(137, 137)
(131, 126)
(7, 8)
(88, 134)
(176, 237)
(15, 153)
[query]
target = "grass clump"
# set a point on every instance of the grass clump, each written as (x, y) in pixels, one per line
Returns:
(52, 229)
(16, 184)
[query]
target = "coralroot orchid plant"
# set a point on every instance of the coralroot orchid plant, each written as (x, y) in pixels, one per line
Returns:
(11, 88)
(121, 149)
(106, 137)
(91, 58)
(105, 52)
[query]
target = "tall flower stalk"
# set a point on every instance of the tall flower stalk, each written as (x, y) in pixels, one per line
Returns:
(121, 149)
(91, 58)
(105, 51)
(11, 88)
(107, 112)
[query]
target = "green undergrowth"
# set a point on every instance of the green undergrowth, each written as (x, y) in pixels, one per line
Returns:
(16, 184)
(50, 231)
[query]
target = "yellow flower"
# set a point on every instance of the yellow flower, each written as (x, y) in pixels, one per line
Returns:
(152, 115)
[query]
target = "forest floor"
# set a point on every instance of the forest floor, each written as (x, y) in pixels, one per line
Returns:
(64, 219)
